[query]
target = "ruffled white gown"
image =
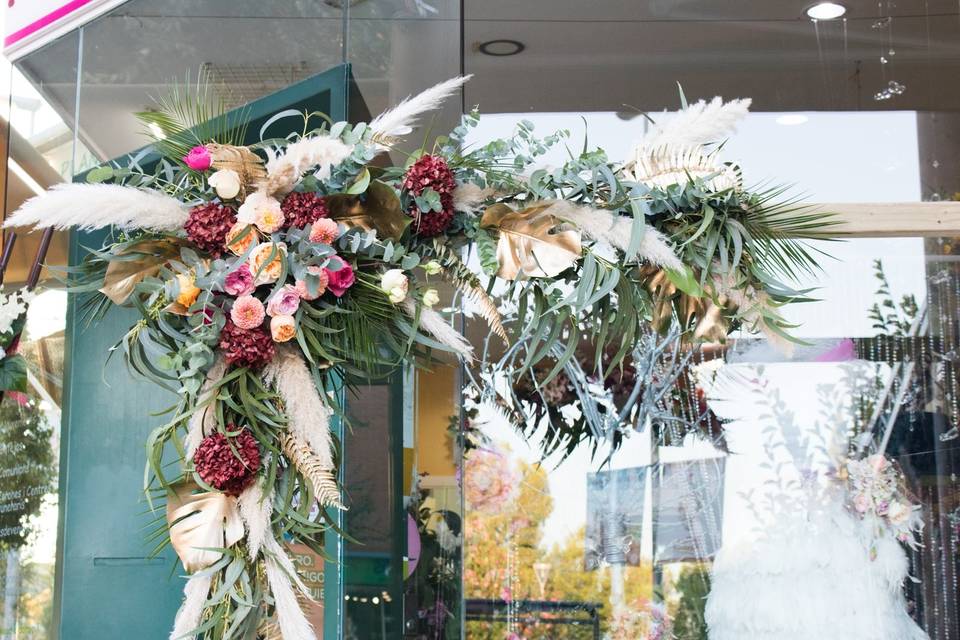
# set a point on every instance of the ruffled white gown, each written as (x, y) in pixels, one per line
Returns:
(816, 574)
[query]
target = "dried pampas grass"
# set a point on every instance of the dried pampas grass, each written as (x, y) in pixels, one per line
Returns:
(255, 509)
(189, 616)
(700, 123)
(400, 120)
(95, 206)
(615, 230)
(308, 417)
(318, 154)
(204, 420)
(282, 576)
(434, 324)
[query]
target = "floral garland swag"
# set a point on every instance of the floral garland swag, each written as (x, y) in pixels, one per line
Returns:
(261, 270)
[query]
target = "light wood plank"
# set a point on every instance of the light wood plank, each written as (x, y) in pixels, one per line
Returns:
(895, 219)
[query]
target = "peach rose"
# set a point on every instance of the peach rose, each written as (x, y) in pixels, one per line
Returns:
(283, 328)
(238, 246)
(259, 256)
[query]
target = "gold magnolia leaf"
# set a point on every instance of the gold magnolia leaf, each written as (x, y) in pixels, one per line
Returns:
(248, 165)
(708, 320)
(122, 276)
(531, 243)
(200, 521)
(378, 208)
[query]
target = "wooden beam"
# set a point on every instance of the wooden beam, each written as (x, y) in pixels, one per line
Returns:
(894, 219)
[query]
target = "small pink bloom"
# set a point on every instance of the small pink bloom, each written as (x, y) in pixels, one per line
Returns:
(247, 312)
(304, 290)
(198, 159)
(341, 279)
(861, 503)
(239, 282)
(324, 231)
(283, 328)
(284, 302)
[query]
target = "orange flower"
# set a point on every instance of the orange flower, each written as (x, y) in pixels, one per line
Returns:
(188, 290)
(283, 328)
(258, 258)
(238, 247)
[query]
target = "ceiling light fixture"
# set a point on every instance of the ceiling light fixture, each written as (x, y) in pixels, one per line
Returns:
(826, 11)
(501, 48)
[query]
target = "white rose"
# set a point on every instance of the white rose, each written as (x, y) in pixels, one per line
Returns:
(432, 268)
(395, 283)
(226, 183)
(431, 297)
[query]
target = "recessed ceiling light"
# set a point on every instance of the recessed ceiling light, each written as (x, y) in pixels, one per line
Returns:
(792, 119)
(826, 11)
(501, 48)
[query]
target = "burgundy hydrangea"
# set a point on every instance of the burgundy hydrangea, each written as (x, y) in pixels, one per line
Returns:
(207, 226)
(431, 172)
(228, 463)
(246, 347)
(301, 209)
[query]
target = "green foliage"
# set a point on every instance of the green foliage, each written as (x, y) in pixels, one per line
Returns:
(889, 317)
(692, 586)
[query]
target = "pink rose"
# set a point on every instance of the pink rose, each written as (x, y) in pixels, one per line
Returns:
(284, 302)
(239, 282)
(324, 231)
(341, 279)
(247, 312)
(304, 290)
(198, 159)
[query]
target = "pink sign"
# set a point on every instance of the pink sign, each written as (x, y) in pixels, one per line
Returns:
(32, 23)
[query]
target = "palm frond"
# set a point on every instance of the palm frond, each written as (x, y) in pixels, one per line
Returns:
(189, 115)
(460, 276)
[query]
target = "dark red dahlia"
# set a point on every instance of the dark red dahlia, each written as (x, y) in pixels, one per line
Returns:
(301, 209)
(228, 463)
(431, 172)
(246, 347)
(207, 226)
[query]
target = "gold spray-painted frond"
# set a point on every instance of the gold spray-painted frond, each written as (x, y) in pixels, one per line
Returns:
(669, 165)
(323, 479)
(460, 276)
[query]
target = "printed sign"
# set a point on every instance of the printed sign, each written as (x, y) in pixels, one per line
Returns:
(614, 517)
(689, 510)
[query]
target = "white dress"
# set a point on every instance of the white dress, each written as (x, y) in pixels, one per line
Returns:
(816, 574)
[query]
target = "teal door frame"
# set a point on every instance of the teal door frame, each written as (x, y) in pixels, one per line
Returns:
(106, 585)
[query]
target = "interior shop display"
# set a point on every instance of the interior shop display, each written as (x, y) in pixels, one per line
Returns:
(267, 277)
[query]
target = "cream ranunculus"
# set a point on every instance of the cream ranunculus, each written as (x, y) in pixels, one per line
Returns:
(431, 297)
(899, 513)
(394, 282)
(226, 182)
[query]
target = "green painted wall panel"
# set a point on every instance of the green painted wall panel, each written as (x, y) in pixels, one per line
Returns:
(106, 586)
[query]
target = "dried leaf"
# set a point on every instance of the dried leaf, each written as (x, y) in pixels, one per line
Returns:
(707, 319)
(122, 276)
(467, 283)
(248, 165)
(378, 208)
(323, 479)
(531, 243)
(199, 522)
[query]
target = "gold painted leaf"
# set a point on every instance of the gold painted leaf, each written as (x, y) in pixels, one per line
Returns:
(378, 208)
(701, 317)
(123, 276)
(248, 165)
(531, 243)
(199, 522)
